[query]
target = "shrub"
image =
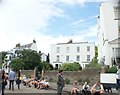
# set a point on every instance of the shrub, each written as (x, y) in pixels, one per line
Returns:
(112, 69)
(71, 66)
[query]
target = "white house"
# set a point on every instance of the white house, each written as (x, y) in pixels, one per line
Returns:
(108, 33)
(81, 52)
(12, 53)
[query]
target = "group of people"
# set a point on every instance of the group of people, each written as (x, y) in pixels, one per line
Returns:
(96, 89)
(11, 77)
(39, 84)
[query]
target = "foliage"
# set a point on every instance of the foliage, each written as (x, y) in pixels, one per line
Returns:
(112, 69)
(71, 66)
(30, 58)
(47, 66)
(17, 64)
(3, 56)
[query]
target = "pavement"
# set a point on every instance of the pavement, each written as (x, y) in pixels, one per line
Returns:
(31, 91)
(51, 91)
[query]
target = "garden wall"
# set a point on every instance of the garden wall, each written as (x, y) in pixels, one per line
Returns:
(89, 74)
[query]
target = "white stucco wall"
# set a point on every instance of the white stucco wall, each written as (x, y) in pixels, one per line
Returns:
(107, 31)
(73, 52)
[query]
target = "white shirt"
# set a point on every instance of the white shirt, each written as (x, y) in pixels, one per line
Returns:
(118, 74)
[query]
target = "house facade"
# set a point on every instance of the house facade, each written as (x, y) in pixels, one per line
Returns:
(81, 52)
(108, 33)
(11, 54)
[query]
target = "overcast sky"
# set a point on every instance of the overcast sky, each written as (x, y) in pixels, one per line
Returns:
(47, 21)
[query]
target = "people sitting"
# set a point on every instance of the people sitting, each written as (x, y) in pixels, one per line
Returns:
(27, 81)
(75, 88)
(24, 79)
(45, 85)
(97, 89)
(86, 89)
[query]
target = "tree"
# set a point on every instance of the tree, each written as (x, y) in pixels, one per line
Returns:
(17, 64)
(30, 58)
(71, 66)
(47, 66)
(3, 56)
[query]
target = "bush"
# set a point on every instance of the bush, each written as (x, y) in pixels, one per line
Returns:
(112, 69)
(71, 67)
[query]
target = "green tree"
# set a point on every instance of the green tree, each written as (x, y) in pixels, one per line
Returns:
(30, 58)
(3, 56)
(17, 64)
(47, 66)
(71, 66)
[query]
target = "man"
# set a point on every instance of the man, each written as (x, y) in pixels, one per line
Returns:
(60, 82)
(11, 79)
(118, 78)
(97, 89)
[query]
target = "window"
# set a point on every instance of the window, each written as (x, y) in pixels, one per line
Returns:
(58, 49)
(67, 58)
(57, 58)
(78, 49)
(116, 12)
(77, 58)
(88, 48)
(68, 50)
(88, 57)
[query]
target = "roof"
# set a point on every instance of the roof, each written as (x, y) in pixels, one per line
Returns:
(115, 41)
(75, 43)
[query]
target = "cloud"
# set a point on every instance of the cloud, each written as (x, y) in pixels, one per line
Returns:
(89, 32)
(78, 22)
(21, 22)
(93, 17)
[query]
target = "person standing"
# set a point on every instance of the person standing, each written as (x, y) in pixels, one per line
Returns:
(3, 81)
(11, 78)
(60, 82)
(18, 81)
(118, 80)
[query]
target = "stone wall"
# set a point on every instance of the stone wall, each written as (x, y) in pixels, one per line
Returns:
(91, 74)
(27, 72)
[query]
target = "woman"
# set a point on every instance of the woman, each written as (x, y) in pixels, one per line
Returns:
(4, 81)
(18, 81)
(86, 89)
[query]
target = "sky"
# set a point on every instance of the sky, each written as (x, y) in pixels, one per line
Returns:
(47, 21)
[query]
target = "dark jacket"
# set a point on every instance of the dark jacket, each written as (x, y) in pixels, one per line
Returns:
(60, 80)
